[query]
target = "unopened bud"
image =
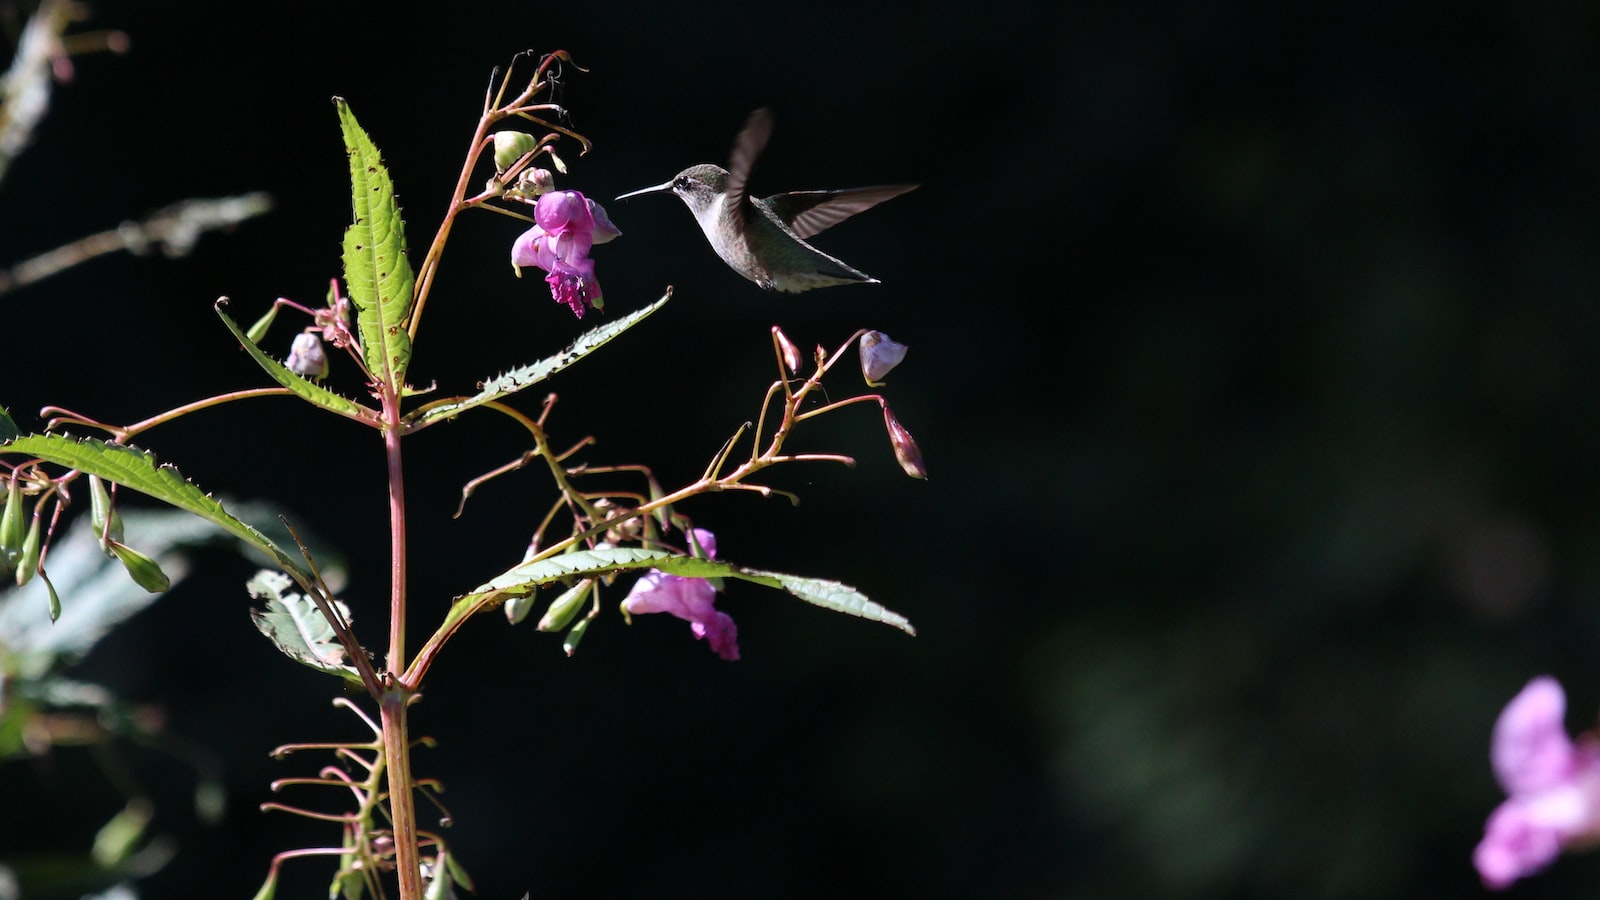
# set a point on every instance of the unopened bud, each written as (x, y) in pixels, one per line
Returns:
(905, 446)
(879, 355)
(535, 182)
(510, 146)
(787, 351)
(306, 357)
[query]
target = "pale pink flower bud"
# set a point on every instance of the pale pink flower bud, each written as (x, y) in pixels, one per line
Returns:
(879, 355)
(306, 357)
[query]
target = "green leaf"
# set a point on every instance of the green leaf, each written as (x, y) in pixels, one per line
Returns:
(527, 376)
(297, 626)
(527, 577)
(137, 469)
(827, 594)
(303, 388)
(376, 271)
(8, 428)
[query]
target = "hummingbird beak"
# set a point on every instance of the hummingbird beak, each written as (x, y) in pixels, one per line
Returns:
(657, 189)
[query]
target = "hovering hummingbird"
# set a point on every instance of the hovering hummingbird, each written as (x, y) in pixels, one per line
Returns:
(765, 239)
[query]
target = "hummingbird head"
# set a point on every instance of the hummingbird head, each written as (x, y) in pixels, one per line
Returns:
(698, 187)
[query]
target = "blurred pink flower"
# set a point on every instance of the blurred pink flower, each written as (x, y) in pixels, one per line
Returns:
(1553, 786)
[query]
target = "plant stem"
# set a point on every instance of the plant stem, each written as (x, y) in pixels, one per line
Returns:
(397, 694)
(396, 660)
(402, 810)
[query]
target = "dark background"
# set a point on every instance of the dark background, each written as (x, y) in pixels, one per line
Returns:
(1251, 358)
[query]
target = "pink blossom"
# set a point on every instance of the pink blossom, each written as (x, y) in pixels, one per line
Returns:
(690, 599)
(567, 226)
(1553, 786)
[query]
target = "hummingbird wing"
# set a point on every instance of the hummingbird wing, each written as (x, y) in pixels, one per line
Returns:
(746, 147)
(811, 212)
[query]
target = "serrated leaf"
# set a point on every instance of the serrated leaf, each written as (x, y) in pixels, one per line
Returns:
(138, 470)
(293, 622)
(376, 270)
(527, 577)
(302, 387)
(8, 427)
(828, 594)
(527, 376)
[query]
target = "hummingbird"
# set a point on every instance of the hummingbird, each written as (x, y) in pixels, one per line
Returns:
(764, 239)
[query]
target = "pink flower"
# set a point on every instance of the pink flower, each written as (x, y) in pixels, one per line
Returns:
(568, 225)
(1553, 786)
(690, 599)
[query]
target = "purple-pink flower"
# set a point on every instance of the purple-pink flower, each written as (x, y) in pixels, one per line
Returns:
(690, 599)
(567, 225)
(1553, 786)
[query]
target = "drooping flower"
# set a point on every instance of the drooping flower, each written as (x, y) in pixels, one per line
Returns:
(690, 599)
(1553, 786)
(567, 225)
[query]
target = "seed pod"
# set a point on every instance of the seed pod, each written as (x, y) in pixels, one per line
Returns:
(564, 607)
(13, 527)
(32, 546)
(141, 568)
(107, 524)
(258, 330)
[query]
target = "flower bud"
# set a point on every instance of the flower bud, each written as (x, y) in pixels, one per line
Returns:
(879, 355)
(534, 182)
(510, 146)
(787, 351)
(306, 357)
(905, 446)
